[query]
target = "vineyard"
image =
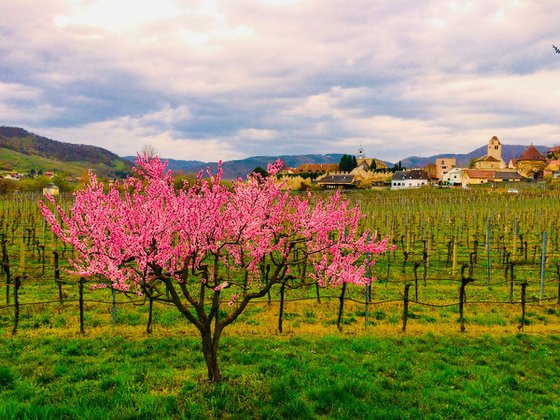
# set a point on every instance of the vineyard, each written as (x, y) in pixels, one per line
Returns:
(477, 261)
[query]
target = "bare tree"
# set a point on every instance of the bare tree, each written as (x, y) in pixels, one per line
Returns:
(149, 151)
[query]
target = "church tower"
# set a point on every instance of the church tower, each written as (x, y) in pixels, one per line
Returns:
(495, 148)
(361, 154)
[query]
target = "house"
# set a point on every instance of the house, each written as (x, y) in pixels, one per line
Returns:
(476, 177)
(14, 176)
(507, 176)
(492, 159)
(554, 153)
(552, 167)
(443, 166)
(453, 177)
(337, 181)
(414, 178)
(286, 170)
(51, 189)
(316, 168)
(530, 164)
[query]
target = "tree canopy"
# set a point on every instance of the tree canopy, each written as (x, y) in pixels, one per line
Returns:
(347, 163)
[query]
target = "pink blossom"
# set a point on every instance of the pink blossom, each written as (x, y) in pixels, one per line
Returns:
(221, 286)
(233, 299)
(143, 224)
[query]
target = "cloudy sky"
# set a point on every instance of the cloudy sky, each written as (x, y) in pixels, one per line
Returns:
(227, 79)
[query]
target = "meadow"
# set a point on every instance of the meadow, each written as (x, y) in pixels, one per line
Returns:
(486, 351)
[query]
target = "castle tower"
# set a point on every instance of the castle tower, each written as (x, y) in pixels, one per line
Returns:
(495, 148)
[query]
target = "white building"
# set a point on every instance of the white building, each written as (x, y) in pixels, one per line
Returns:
(414, 178)
(453, 177)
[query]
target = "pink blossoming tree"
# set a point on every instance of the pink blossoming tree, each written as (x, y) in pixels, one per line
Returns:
(212, 248)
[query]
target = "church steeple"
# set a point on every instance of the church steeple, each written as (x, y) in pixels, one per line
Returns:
(361, 154)
(495, 148)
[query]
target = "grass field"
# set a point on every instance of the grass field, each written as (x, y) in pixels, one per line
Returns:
(298, 377)
(311, 369)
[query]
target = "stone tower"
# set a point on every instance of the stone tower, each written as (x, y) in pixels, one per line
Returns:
(495, 148)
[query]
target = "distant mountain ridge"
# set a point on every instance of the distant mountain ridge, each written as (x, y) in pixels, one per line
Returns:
(23, 150)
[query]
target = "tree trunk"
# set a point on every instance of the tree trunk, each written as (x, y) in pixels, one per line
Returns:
(210, 351)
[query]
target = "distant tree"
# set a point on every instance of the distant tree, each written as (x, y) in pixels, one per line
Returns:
(261, 171)
(184, 181)
(7, 186)
(33, 184)
(149, 151)
(343, 164)
(347, 163)
(373, 166)
(32, 172)
(61, 181)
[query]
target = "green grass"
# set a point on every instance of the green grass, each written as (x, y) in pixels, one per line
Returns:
(303, 377)
(14, 160)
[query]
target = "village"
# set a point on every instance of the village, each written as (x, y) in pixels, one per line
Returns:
(530, 166)
(361, 172)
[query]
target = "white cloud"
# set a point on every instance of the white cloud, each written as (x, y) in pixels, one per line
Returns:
(127, 136)
(257, 134)
(18, 91)
(220, 79)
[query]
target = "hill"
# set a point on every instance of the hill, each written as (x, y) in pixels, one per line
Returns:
(509, 151)
(21, 150)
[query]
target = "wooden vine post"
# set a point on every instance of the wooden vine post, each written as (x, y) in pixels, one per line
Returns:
(416, 265)
(81, 303)
(523, 299)
(368, 291)
(6, 268)
(511, 280)
(488, 250)
(558, 274)
(405, 307)
(543, 260)
(17, 285)
(150, 314)
(57, 276)
(454, 257)
(281, 310)
(464, 282)
(341, 307)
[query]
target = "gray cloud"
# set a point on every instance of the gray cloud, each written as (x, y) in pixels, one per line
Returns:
(226, 79)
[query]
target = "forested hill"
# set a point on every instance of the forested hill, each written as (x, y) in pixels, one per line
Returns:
(21, 150)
